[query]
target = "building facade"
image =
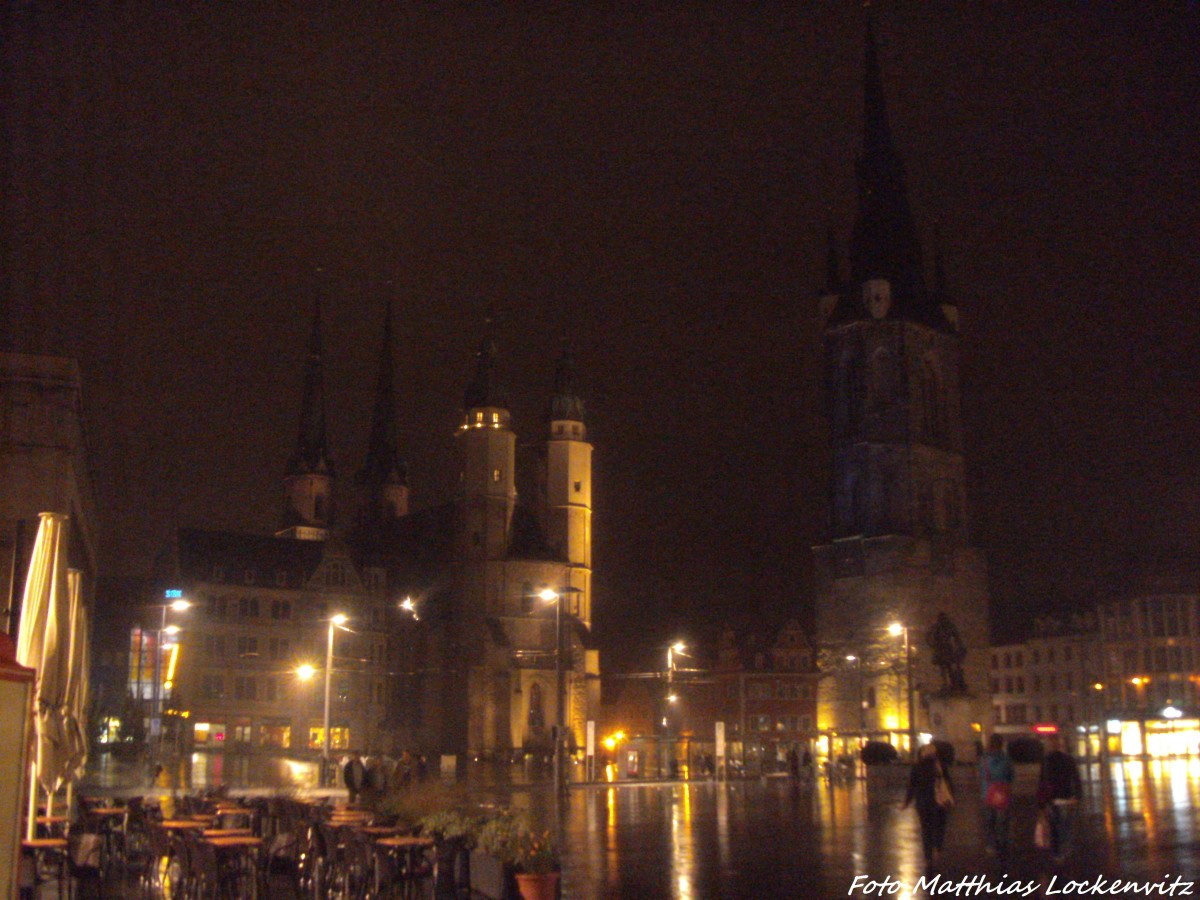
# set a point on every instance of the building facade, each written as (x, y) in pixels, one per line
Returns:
(449, 643)
(899, 551)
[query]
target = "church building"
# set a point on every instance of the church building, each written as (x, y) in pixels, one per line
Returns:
(451, 635)
(902, 597)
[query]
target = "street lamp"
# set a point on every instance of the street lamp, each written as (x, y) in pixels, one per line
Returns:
(178, 604)
(550, 595)
(678, 648)
(306, 672)
(895, 630)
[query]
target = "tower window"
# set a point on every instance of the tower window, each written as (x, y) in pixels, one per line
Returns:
(495, 474)
(578, 487)
(495, 418)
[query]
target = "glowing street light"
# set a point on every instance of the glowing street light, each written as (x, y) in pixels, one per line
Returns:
(337, 621)
(550, 595)
(177, 604)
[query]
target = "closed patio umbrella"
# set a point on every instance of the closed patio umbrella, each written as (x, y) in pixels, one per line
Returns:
(43, 646)
(77, 679)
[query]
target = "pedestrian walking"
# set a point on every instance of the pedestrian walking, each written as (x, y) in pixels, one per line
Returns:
(930, 790)
(996, 775)
(354, 774)
(1059, 790)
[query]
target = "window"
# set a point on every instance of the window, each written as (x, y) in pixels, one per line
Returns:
(212, 687)
(281, 579)
(579, 487)
(281, 609)
(1020, 685)
(870, 698)
(247, 646)
(1035, 656)
(248, 607)
(495, 475)
(243, 688)
(270, 690)
(279, 648)
(1020, 659)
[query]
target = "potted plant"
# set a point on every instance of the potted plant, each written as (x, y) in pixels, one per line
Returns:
(530, 854)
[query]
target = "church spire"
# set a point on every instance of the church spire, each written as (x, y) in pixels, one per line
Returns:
(312, 449)
(885, 253)
(383, 474)
(485, 388)
(565, 403)
(309, 478)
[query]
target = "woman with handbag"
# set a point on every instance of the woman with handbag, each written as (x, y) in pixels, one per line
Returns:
(996, 775)
(930, 789)
(1059, 790)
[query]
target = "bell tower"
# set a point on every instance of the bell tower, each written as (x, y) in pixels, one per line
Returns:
(383, 476)
(899, 550)
(488, 448)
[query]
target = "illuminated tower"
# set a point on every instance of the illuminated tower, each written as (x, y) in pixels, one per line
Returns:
(569, 483)
(308, 504)
(488, 448)
(899, 547)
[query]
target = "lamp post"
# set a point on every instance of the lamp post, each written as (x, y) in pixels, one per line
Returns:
(674, 649)
(178, 604)
(895, 630)
(338, 621)
(550, 595)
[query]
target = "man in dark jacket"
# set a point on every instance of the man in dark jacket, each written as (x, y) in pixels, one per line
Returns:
(354, 774)
(1059, 790)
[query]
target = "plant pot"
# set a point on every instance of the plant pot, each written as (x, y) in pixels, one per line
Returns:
(541, 886)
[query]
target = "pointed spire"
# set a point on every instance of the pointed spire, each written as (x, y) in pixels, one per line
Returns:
(383, 465)
(565, 402)
(884, 242)
(312, 450)
(877, 133)
(485, 388)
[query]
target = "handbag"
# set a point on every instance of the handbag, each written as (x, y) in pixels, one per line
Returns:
(998, 795)
(941, 791)
(1041, 833)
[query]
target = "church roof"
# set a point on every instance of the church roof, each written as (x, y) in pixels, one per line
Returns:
(312, 450)
(383, 464)
(485, 387)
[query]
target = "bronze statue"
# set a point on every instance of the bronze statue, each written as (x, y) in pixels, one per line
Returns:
(948, 654)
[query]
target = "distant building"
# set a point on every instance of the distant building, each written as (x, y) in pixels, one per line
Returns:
(899, 549)
(1048, 683)
(449, 647)
(1122, 682)
(1150, 648)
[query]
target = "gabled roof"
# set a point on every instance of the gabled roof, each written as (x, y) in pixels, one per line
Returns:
(202, 553)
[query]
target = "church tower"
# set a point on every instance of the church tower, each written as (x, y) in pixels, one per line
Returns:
(308, 503)
(569, 482)
(383, 476)
(899, 551)
(488, 447)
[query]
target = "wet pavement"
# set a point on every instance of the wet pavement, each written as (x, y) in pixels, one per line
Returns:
(767, 838)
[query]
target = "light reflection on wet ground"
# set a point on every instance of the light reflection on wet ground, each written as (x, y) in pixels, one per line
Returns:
(764, 838)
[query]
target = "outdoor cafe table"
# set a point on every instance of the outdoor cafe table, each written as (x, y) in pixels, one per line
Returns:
(53, 824)
(240, 854)
(397, 845)
(227, 832)
(183, 824)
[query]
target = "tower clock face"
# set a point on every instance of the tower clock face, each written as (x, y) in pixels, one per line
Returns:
(877, 297)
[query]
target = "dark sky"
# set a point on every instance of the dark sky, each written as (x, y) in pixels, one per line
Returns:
(654, 185)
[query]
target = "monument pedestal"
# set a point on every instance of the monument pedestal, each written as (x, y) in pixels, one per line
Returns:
(952, 717)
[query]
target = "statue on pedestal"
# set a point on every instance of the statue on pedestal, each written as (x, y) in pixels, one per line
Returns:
(949, 651)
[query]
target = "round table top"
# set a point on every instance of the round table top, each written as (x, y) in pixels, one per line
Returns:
(182, 823)
(234, 841)
(107, 810)
(405, 840)
(227, 832)
(45, 843)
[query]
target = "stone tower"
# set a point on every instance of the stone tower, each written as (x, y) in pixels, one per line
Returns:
(898, 551)
(569, 484)
(308, 481)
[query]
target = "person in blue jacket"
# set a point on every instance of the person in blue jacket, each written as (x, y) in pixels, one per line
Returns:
(996, 775)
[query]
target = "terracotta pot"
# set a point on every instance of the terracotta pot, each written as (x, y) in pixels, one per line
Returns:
(543, 886)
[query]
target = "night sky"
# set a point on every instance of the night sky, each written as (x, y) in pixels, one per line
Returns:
(180, 180)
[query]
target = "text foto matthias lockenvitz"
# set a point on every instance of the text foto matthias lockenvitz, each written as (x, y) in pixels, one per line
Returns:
(983, 886)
